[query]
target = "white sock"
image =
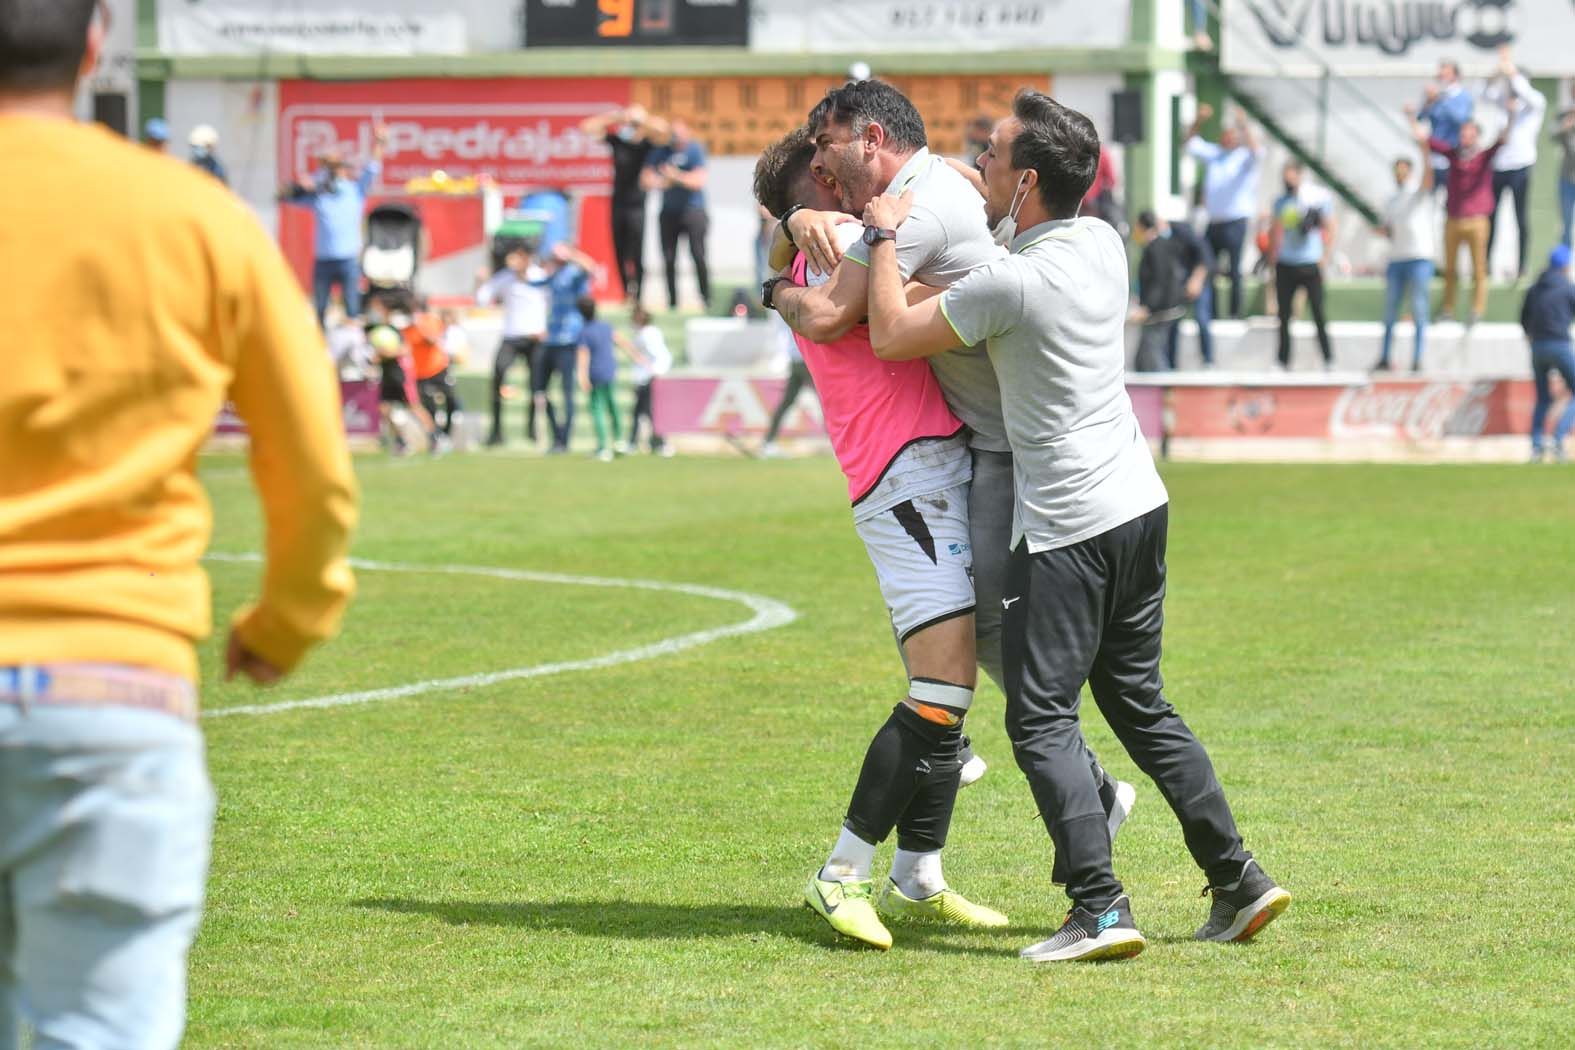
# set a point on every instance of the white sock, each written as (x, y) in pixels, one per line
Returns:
(918, 875)
(850, 859)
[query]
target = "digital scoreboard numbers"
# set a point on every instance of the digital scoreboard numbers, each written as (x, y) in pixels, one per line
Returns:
(636, 23)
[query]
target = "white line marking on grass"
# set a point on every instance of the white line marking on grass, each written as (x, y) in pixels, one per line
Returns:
(768, 614)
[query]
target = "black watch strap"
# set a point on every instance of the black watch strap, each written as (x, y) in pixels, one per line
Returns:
(788, 215)
(767, 290)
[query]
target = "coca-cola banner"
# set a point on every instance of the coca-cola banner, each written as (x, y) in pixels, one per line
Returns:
(1401, 410)
(522, 132)
(1395, 37)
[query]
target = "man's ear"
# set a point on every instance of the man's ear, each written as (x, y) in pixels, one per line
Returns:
(98, 30)
(874, 138)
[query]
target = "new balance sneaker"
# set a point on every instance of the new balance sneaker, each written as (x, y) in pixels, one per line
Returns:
(1087, 936)
(847, 909)
(1120, 809)
(948, 907)
(1243, 908)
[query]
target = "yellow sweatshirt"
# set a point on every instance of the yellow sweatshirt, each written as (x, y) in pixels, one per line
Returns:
(136, 294)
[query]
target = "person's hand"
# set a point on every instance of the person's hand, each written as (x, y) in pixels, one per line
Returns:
(668, 172)
(815, 234)
(240, 660)
(380, 133)
(1409, 111)
(1568, 120)
(888, 212)
(483, 275)
(1205, 112)
(585, 384)
(1430, 93)
(1194, 288)
(1506, 60)
(1138, 314)
(634, 114)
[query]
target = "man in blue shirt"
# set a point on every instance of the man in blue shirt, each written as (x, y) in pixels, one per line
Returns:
(679, 171)
(1446, 107)
(567, 281)
(1302, 222)
(1230, 190)
(338, 203)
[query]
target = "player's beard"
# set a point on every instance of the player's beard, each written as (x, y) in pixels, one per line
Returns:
(855, 186)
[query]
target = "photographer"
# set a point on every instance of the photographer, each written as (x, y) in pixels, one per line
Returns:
(1302, 225)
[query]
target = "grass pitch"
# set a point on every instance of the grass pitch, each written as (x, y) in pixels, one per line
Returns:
(1377, 658)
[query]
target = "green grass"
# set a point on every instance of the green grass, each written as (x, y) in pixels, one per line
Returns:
(1377, 658)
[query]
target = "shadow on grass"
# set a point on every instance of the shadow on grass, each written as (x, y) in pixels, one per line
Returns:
(646, 920)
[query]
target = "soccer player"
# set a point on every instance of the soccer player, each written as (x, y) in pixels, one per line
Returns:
(1087, 577)
(870, 140)
(146, 294)
(907, 465)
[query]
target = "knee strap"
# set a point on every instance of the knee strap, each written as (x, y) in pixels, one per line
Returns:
(942, 703)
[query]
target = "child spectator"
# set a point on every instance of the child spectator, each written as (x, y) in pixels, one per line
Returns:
(434, 385)
(397, 398)
(597, 369)
(651, 358)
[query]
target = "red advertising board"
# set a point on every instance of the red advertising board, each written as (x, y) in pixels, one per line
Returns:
(524, 132)
(1400, 410)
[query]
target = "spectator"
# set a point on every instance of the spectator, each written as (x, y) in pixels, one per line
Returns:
(1410, 224)
(1162, 297)
(976, 138)
(798, 380)
(1513, 163)
(520, 286)
(1565, 137)
(1230, 190)
(1303, 225)
(146, 296)
(568, 280)
(156, 134)
(1546, 316)
(679, 171)
(648, 350)
(338, 203)
(204, 142)
(631, 133)
(1469, 202)
(598, 368)
(1446, 106)
(387, 316)
(425, 336)
(1101, 201)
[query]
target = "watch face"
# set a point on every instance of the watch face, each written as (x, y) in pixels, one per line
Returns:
(875, 233)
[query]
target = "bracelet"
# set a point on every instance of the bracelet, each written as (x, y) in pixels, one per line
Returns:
(786, 232)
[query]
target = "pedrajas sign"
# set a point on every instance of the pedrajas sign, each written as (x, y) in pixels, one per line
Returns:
(524, 133)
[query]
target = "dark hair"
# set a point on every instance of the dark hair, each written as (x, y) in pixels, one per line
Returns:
(779, 169)
(865, 102)
(639, 312)
(1147, 220)
(1058, 143)
(42, 43)
(587, 307)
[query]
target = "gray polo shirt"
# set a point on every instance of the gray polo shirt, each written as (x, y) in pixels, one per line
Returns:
(1052, 315)
(944, 239)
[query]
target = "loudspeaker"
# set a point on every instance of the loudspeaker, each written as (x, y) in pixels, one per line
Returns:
(1126, 117)
(111, 110)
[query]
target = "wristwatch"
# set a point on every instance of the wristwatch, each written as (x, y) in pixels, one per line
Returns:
(768, 287)
(786, 232)
(878, 233)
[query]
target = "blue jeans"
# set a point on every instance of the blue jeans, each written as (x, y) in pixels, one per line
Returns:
(1200, 16)
(1567, 210)
(1417, 275)
(1203, 313)
(346, 273)
(1549, 356)
(106, 819)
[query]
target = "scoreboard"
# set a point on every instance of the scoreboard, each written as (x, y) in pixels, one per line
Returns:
(629, 23)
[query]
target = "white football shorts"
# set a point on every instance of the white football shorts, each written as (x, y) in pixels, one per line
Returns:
(922, 557)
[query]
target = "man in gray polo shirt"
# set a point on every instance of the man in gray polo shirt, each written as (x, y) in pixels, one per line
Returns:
(871, 140)
(1086, 582)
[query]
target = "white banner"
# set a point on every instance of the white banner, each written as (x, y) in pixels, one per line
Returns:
(1395, 37)
(876, 26)
(208, 29)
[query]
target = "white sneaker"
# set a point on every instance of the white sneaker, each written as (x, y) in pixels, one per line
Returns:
(604, 455)
(771, 450)
(971, 771)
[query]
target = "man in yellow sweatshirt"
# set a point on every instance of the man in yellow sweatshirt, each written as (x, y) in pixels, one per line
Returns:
(138, 295)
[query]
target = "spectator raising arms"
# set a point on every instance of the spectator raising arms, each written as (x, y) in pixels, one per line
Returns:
(1410, 222)
(631, 133)
(1446, 106)
(1512, 166)
(1469, 203)
(337, 197)
(1230, 190)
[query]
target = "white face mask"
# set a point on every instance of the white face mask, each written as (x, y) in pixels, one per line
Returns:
(1005, 231)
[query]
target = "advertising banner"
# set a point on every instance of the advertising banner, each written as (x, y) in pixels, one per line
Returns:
(522, 133)
(358, 396)
(631, 23)
(1404, 411)
(874, 26)
(1395, 37)
(227, 29)
(729, 406)
(740, 116)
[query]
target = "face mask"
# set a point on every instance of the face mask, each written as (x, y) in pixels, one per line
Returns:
(1005, 231)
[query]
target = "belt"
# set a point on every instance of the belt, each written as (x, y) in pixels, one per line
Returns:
(98, 685)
